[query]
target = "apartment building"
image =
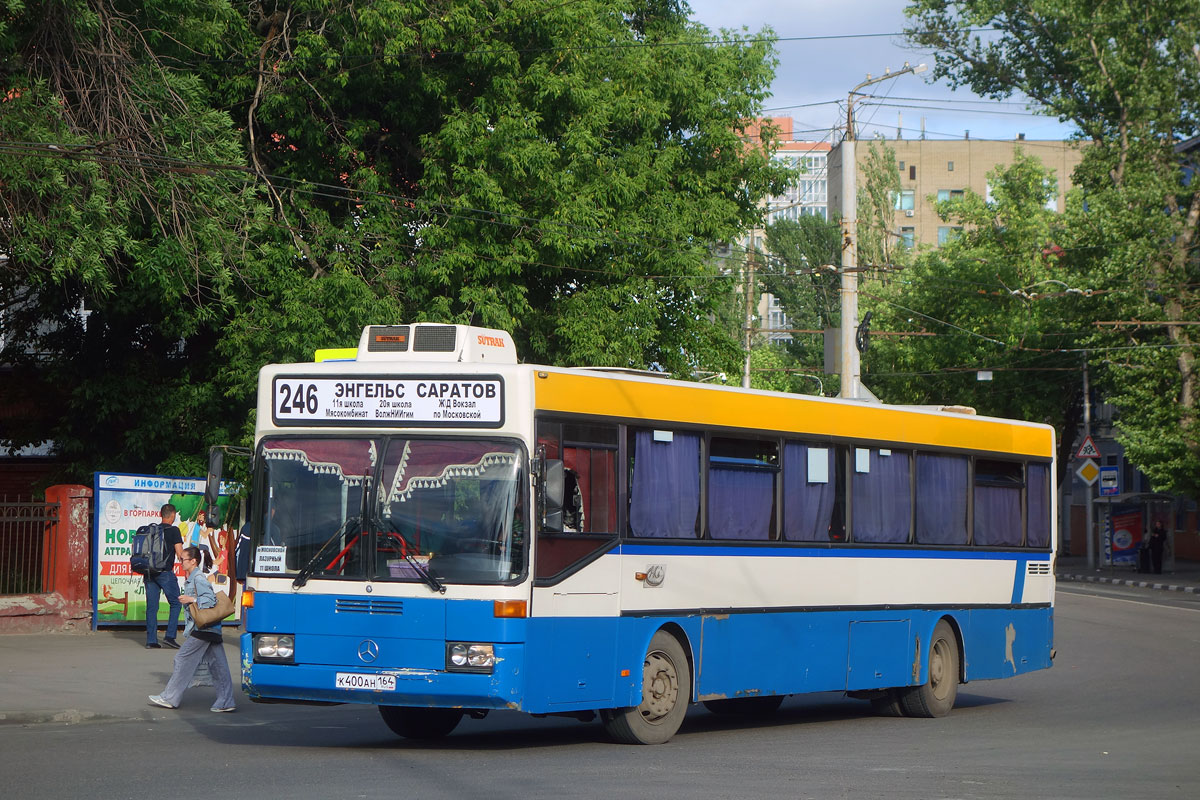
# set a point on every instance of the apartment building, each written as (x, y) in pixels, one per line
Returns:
(933, 170)
(809, 197)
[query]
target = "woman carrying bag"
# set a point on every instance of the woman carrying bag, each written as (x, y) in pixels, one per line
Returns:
(203, 643)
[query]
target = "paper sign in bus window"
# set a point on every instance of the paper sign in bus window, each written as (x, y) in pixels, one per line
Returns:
(862, 459)
(818, 465)
(270, 559)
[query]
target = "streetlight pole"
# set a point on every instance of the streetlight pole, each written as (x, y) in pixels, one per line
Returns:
(851, 369)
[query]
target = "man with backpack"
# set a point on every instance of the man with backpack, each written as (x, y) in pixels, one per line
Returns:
(164, 580)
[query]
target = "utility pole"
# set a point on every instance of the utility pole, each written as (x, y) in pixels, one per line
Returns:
(750, 259)
(851, 370)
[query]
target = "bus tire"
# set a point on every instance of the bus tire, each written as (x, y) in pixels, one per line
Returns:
(420, 723)
(666, 691)
(936, 696)
(758, 706)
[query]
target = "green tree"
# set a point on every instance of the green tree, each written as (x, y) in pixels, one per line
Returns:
(117, 254)
(225, 185)
(993, 299)
(1125, 73)
(801, 273)
(879, 244)
(534, 166)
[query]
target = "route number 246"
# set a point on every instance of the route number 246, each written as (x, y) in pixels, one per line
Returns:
(299, 399)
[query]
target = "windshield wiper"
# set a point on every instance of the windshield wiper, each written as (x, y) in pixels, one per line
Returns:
(427, 576)
(308, 569)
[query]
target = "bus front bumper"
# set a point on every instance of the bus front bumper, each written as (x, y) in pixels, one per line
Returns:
(386, 685)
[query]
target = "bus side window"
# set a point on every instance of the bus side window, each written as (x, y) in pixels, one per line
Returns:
(589, 456)
(814, 492)
(664, 484)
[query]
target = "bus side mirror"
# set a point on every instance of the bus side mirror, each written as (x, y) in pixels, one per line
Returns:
(212, 485)
(552, 495)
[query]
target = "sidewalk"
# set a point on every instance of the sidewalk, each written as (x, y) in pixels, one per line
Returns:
(1181, 576)
(101, 675)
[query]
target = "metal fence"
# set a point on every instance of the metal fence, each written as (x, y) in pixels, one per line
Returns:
(28, 533)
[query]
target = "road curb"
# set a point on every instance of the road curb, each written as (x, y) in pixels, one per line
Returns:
(1167, 587)
(70, 716)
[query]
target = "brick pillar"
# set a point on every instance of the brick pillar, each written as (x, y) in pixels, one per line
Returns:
(71, 571)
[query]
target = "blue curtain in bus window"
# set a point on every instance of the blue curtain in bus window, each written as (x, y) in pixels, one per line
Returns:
(807, 505)
(739, 502)
(665, 496)
(883, 498)
(941, 499)
(1038, 483)
(997, 515)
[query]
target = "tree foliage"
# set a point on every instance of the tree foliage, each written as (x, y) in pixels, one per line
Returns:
(1126, 74)
(802, 275)
(995, 298)
(222, 185)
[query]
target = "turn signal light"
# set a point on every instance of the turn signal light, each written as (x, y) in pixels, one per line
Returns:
(510, 608)
(247, 598)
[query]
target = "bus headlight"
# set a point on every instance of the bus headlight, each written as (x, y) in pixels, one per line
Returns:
(275, 647)
(470, 657)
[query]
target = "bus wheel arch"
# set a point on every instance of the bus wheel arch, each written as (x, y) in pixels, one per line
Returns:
(666, 692)
(943, 670)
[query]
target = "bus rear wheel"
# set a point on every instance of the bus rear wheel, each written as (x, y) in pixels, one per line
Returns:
(666, 690)
(936, 696)
(420, 723)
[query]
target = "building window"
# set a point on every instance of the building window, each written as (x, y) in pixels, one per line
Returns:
(902, 166)
(949, 166)
(908, 237)
(948, 233)
(949, 194)
(912, 172)
(905, 199)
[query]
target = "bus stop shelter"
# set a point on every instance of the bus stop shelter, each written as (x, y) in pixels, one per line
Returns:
(1125, 523)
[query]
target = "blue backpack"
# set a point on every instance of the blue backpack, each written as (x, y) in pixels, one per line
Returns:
(150, 555)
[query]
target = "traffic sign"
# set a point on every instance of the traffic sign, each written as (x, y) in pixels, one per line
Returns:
(1088, 472)
(1110, 481)
(1088, 449)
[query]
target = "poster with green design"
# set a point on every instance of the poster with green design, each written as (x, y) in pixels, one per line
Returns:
(123, 504)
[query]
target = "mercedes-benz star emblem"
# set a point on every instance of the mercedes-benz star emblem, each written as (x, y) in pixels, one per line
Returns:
(368, 651)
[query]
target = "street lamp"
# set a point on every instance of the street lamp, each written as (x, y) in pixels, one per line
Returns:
(851, 370)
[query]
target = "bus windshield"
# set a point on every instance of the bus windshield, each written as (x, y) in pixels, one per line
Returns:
(393, 508)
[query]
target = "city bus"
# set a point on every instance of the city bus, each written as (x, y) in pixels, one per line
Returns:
(442, 531)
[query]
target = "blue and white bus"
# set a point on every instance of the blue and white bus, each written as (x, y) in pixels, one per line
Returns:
(441, 531)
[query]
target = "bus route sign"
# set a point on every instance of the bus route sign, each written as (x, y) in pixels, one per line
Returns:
(388, 400)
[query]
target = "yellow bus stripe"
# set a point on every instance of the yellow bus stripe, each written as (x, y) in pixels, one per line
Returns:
(709, 406)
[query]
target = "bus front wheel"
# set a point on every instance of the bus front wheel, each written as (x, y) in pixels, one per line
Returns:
(420, 723)
(666, 691)
(936, 696)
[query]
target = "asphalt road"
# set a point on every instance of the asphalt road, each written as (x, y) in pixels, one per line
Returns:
(1117, 717)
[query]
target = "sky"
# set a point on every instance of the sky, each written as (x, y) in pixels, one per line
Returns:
(824, 72)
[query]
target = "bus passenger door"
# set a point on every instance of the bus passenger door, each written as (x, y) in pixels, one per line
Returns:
(571, 653)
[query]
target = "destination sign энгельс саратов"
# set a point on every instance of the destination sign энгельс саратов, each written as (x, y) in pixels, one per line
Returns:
(388, 401)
